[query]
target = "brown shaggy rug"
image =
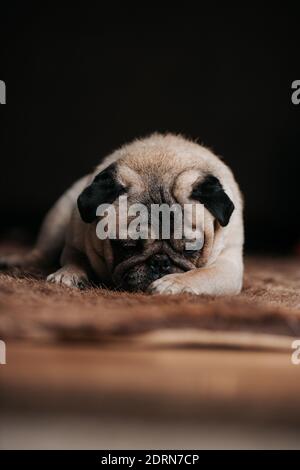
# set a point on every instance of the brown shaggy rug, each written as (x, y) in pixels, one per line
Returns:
(265, 315)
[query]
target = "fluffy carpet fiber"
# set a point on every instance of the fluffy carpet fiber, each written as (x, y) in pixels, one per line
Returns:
(266, 313)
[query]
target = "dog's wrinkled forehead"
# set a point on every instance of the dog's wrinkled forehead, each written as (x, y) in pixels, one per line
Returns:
(147, 185)
(183, 184)
(155, 184)
(130, 178)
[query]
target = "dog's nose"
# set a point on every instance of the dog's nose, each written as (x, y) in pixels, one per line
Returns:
(160, 263)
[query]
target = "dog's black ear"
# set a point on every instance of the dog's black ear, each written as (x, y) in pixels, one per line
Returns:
(104, 190)
(210, 192)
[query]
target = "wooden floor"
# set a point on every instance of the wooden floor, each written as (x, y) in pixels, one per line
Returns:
(124, 395)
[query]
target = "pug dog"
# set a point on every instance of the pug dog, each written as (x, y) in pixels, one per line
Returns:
(159, 169)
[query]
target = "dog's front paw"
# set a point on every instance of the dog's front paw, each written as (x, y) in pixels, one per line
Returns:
(172, 284)
(69, 278)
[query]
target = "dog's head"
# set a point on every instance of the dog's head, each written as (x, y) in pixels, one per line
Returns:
(135, 263)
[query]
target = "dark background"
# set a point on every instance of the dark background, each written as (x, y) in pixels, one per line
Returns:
(82, 81)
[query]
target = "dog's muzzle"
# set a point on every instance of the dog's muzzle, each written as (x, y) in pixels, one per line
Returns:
(137, 273)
